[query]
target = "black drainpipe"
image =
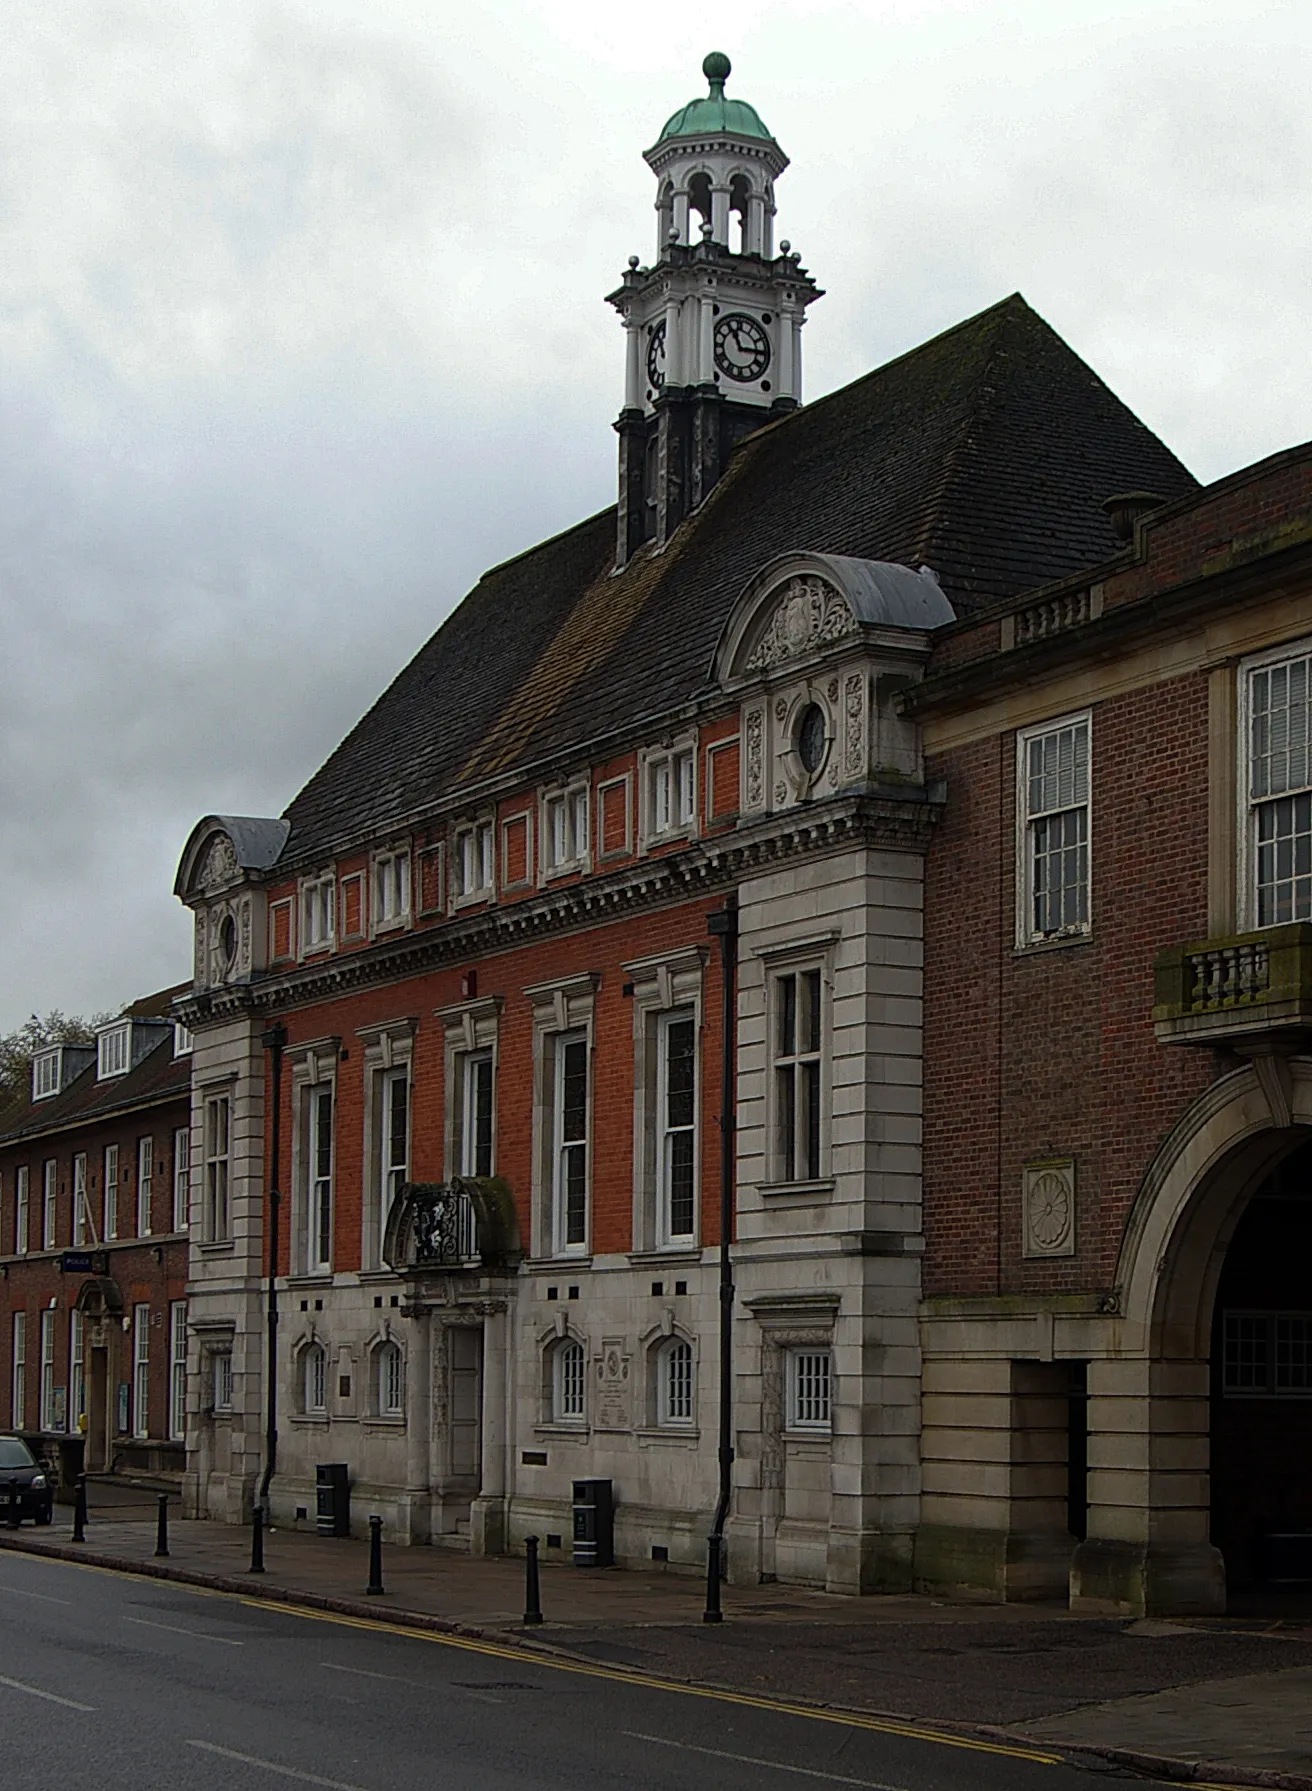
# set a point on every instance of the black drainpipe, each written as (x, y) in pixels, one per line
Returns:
(723, 925)
(274, 1042)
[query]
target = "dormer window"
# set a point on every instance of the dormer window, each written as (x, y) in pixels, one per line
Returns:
(114, 1051)
(182, 1040)
(46, 1073)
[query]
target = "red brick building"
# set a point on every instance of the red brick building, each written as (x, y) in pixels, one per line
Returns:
(94, 1183)
(1117, 1325)
(777, 688)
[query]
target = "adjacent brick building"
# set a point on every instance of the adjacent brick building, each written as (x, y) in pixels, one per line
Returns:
(94, 1183)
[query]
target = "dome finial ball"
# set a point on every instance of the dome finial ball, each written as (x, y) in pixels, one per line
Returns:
(717, 67)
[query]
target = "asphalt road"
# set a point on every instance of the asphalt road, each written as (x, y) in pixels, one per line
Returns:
(130, 1684)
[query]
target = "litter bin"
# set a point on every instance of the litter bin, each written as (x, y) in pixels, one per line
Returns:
(332, 1490)
(594, 1523)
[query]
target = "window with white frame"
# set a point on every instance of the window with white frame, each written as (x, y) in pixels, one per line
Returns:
(109, 1193)
(474, 866)
(81, 1214)
(676, 1127)
(476, 1113)
(318, 913)
(674, 1391)
(319, 1178)
(391, 888)
(1052, 805)
(46, 1066)
(18, 1382)
(568, 1382)
(181, 1178)
(22, 1207)
(394, 1143)
(221, 1380)
(1279, 790)
(141, 1370)
(77, 1373)
(671, 791)
(565, 828)
(113, 1051)
(178, 1370)
(49, 1202)
(314, 1380)
(799, 1042)
(809, 1382)
(217, 1148)
(389, 1381)
(570, 1142)
(183, 1042)
(48, 1414)
(145, 1184)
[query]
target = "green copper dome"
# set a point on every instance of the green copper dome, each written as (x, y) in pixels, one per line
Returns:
(715, 113)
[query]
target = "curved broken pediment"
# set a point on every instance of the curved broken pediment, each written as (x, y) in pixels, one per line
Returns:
(803, 602)
(223, 850)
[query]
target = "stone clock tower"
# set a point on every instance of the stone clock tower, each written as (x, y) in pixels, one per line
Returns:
(713, 326)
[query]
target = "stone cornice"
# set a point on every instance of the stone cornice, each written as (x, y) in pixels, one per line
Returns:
(883, 818)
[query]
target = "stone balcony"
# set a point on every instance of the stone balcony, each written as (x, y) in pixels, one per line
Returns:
(1249, 991)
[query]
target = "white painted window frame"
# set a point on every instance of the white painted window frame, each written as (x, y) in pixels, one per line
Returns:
(565, 829)
(145, 1185)
(668, 792)
(389, 1380)
(569, 1382)
(676, 1404)
(49, 1204)
(77, 1372)
(473, 861)
(1028, 937)
(314, 1380)
(46, 1412)
(181, 1178)
(1248, 805)
(114, 1051)
(18, 1377)
(22, 1209)
(81, 1211)
(388, 1053)
(221, 1381)
(563, 1147)
(391, 905)
(320, 1176)
(177, 1370)
(566, 1005)
(141, 1369)
(800, 1393)
(109, 1193)
(783, 963)
(183, 1041)
(216, 1144)
(318, 913)
(47, 1073)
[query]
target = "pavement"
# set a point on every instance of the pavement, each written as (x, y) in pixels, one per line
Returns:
(1208, 1701)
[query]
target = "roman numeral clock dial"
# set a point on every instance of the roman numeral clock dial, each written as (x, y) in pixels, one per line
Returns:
(742, 348)
(656, 357)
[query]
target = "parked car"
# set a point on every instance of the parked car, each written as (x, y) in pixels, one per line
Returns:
(22, 1473)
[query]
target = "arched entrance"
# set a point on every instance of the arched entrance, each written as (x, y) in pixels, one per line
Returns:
(1150, 1547)
(1261, 1430)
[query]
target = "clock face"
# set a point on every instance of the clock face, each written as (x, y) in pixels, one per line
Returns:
(656, 357)
(742, 348)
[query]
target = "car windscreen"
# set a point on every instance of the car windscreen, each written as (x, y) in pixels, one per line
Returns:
(14, 1453)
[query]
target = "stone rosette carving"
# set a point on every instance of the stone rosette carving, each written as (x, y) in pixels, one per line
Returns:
(809, 613)
(1048, 1208)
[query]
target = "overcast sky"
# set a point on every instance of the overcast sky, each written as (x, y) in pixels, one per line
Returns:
(301, 327)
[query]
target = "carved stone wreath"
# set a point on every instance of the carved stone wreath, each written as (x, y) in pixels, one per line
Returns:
(808, 613)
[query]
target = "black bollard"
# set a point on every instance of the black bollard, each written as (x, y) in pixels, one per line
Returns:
(713, 1613)
(80, 1509)
(15, 1510)
(162, 1529)
(532, 1589)
(375, 1587)
(257, 1538)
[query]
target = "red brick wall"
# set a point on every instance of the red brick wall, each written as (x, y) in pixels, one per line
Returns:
(603, 950)
(1051, 1053)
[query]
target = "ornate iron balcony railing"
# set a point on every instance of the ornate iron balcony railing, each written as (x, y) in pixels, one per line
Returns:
(466, 1223)
(1244, 987)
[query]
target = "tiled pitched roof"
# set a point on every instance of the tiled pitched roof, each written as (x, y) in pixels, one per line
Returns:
(984, 454)
(159, 1077)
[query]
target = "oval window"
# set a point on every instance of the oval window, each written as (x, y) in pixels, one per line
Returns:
(810, 738)
(228, 939)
